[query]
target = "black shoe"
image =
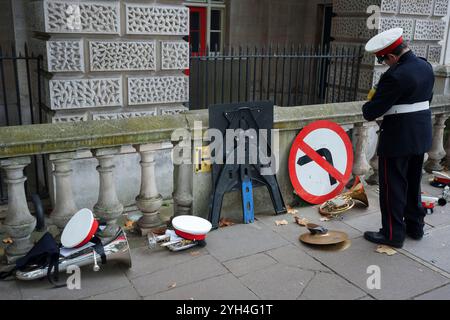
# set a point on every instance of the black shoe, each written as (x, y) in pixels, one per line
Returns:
(379, 238)
(414, 235)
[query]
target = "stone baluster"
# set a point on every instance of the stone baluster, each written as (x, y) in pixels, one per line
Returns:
(108, 208)
(360, 165)
(447, 151)
(149, 201)
(65, 206)
(19, 223)
(373, 179)
(182, 184)
(437, 152)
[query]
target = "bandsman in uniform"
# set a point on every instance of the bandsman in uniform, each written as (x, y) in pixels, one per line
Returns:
(402, 99)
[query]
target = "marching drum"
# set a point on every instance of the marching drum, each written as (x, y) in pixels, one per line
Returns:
(189, 231)
(79, 230)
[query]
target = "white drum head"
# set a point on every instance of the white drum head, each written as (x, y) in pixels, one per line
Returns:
(77, 229)
(192, 225)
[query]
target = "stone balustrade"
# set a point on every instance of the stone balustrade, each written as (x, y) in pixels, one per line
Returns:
(61, 142)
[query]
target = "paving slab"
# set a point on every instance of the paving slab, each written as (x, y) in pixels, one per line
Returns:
(9, 290)
(442, 293)
(242, 240)
(325, 286)
(109, 278)
(146, 260)
(370, 222)
(241, 266)
(224, 287)
(191, 271)
(278, 282)
(292, 256)
(440, 216)
(401, 277)
(292, 231)
(127, 293)
(433, 248)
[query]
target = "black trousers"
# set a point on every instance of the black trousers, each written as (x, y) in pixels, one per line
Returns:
(400, 196)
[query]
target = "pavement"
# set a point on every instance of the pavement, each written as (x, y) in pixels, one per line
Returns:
(266, 261)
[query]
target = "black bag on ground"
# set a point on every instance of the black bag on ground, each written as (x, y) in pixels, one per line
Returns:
(45, 253)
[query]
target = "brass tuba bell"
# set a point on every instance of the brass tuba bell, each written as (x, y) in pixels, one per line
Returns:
(345, 201)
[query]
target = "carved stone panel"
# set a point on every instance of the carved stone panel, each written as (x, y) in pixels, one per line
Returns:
(163, 20)
(82, 17)
(351, 27)
(406, 24)
(123, 115)
(122, 55)
(65, 118)
(429, 30)
(389, 6)
(148, 90)
(172, 110)
(85, 93)
(434, 54)
(440, 8)
(65, 56)
(416, 7)
(421, 50)
(175, 55)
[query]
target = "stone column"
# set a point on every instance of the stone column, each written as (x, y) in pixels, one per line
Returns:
(108, 208)
(361, 166)
(19, 223)
(373, 179)
(437, 152)
(447, 151)
(182, 184)
(65, 206)
(149, 201)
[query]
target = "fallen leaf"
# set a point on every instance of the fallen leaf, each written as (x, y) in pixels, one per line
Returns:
(291, 210)
(301, 221)
(7, 241)
(195, 253)
(281, 222)
(129, 224)
(324, 219)
(173, 285)
(224, 222)
(386, 249)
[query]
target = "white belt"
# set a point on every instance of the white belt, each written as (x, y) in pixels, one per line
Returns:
(407, 108)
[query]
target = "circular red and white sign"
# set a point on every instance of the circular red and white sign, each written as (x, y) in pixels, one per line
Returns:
(320, 161)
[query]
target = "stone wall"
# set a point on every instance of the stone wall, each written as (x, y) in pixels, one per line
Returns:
(112, 59)
(424, 23)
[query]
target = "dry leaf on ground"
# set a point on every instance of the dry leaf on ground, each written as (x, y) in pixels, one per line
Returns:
(173, 285)
(301, 221)
(281, 222)
(7, 241)
(291, 210)
(386, 249)
(324, 219)
(129, 224)
(224, 222)
(195, 253)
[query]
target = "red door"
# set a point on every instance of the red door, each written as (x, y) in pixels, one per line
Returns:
(197, 30)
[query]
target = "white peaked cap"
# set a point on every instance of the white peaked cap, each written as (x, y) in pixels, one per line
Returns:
(383, 43)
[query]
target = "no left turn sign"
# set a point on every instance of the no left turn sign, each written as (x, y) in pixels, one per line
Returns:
(320, 161)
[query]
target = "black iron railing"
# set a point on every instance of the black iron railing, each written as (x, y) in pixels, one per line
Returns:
(21, 77)
(289, 76)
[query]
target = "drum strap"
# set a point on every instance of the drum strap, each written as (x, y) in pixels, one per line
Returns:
(98, 247)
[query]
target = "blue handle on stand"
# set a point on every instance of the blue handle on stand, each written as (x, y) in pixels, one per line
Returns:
(247, 201)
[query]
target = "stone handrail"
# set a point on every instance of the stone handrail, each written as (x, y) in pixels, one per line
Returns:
(25, 140)
(62, 141)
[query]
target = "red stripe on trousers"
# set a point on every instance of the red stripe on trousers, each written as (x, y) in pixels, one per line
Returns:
(388, 208)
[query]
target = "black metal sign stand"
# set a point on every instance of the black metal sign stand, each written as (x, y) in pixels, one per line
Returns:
(232, 175)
